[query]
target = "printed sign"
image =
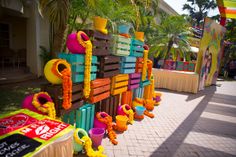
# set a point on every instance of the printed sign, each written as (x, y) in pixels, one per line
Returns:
(44, 129)
(11, 123)
(17, 145)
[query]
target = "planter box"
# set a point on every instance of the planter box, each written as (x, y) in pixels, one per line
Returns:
(108, 66)
(170, 65)
(127, 98)
(119, 84)
(136, 48)
(56, 93)
(121, 45)
(109, 105)
(139, 65)
(100, 89)
(77, 66)
(134, 81)
(179, 65)
(82, 117)
(191, 66)
(101, 42)
(128, 65)
(186, 65)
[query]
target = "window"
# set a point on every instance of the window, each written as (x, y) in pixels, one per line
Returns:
(4, 35)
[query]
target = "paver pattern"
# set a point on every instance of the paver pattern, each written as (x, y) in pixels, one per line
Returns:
(185, 125)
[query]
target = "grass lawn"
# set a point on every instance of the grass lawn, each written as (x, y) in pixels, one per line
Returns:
(12, 95)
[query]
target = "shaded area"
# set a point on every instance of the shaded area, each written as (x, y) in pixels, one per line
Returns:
(215, 127)
(227, 111)
(13, 94)
(172, 143)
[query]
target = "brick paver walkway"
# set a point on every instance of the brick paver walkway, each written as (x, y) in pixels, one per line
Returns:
(190, 125)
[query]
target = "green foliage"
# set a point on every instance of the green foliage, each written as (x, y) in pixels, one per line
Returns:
(170, 38)
(45, 55)
(198, 9)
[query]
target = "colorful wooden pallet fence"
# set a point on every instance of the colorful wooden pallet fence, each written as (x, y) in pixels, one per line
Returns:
(127, 97)
(82, 117)
(101, 42)
(121, 45)
(128, 65)
(100, 89)
(136, 48)
(77, 66)
(55, 91)
(134, 80)
(139, 65)
(110, 105)
(119, 84)
(108, 66)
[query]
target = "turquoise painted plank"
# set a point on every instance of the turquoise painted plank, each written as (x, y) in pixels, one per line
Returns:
(80, 77)
(136, 54)
(80, 68)
(65, 118)
(72, 118)
(77, 118)
(92, 115)
(76, 58)
(127, 71)
(88, 116)
(83, 118)
(127, 65)
(128, 59)
(137, 42)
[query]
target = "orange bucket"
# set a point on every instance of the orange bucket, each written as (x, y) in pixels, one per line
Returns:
(139, 36)
(100, 24)
(121, 121)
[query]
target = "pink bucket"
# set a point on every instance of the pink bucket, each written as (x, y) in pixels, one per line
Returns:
(96, 135)
(120, 109)
(98, 124)
(73, 44)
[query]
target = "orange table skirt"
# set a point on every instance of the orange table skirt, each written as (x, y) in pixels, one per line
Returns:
(176, 80)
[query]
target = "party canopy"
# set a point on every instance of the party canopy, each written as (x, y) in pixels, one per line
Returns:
(227, 8)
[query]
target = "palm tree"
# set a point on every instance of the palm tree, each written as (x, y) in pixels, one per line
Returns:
(198, 9)
(57, 13)
(169, 37)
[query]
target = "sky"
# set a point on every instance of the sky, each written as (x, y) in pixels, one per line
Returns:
(177, 5)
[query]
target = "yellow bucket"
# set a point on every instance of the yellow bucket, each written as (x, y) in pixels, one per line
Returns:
(139, 36)
(53, 69)
(100, 24)
(121, 121)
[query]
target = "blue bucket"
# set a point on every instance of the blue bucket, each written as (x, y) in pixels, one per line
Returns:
(123, 29)
(140, 110)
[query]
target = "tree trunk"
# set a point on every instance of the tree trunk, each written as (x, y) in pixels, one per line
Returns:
(58, 39)
(170, 44)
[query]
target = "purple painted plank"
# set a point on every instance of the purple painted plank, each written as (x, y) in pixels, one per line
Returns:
(134, 81)
(130, 87)
(135, 75)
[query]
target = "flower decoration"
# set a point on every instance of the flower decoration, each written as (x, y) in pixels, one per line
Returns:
(43, 102)
(85, 42)
(108, 121)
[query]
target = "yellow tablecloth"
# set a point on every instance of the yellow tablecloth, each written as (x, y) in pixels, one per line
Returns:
(176, 80)
(60, 144)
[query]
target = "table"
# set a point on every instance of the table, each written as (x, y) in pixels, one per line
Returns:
(176, 80)
(26, 133)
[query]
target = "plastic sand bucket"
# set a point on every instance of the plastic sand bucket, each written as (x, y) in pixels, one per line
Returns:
(79, 134)
(139, 36)
(123, 29)
(140, 110)
(121, 109)
(96, 135)
(97, 123)
(121, 121)
(100, 24)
